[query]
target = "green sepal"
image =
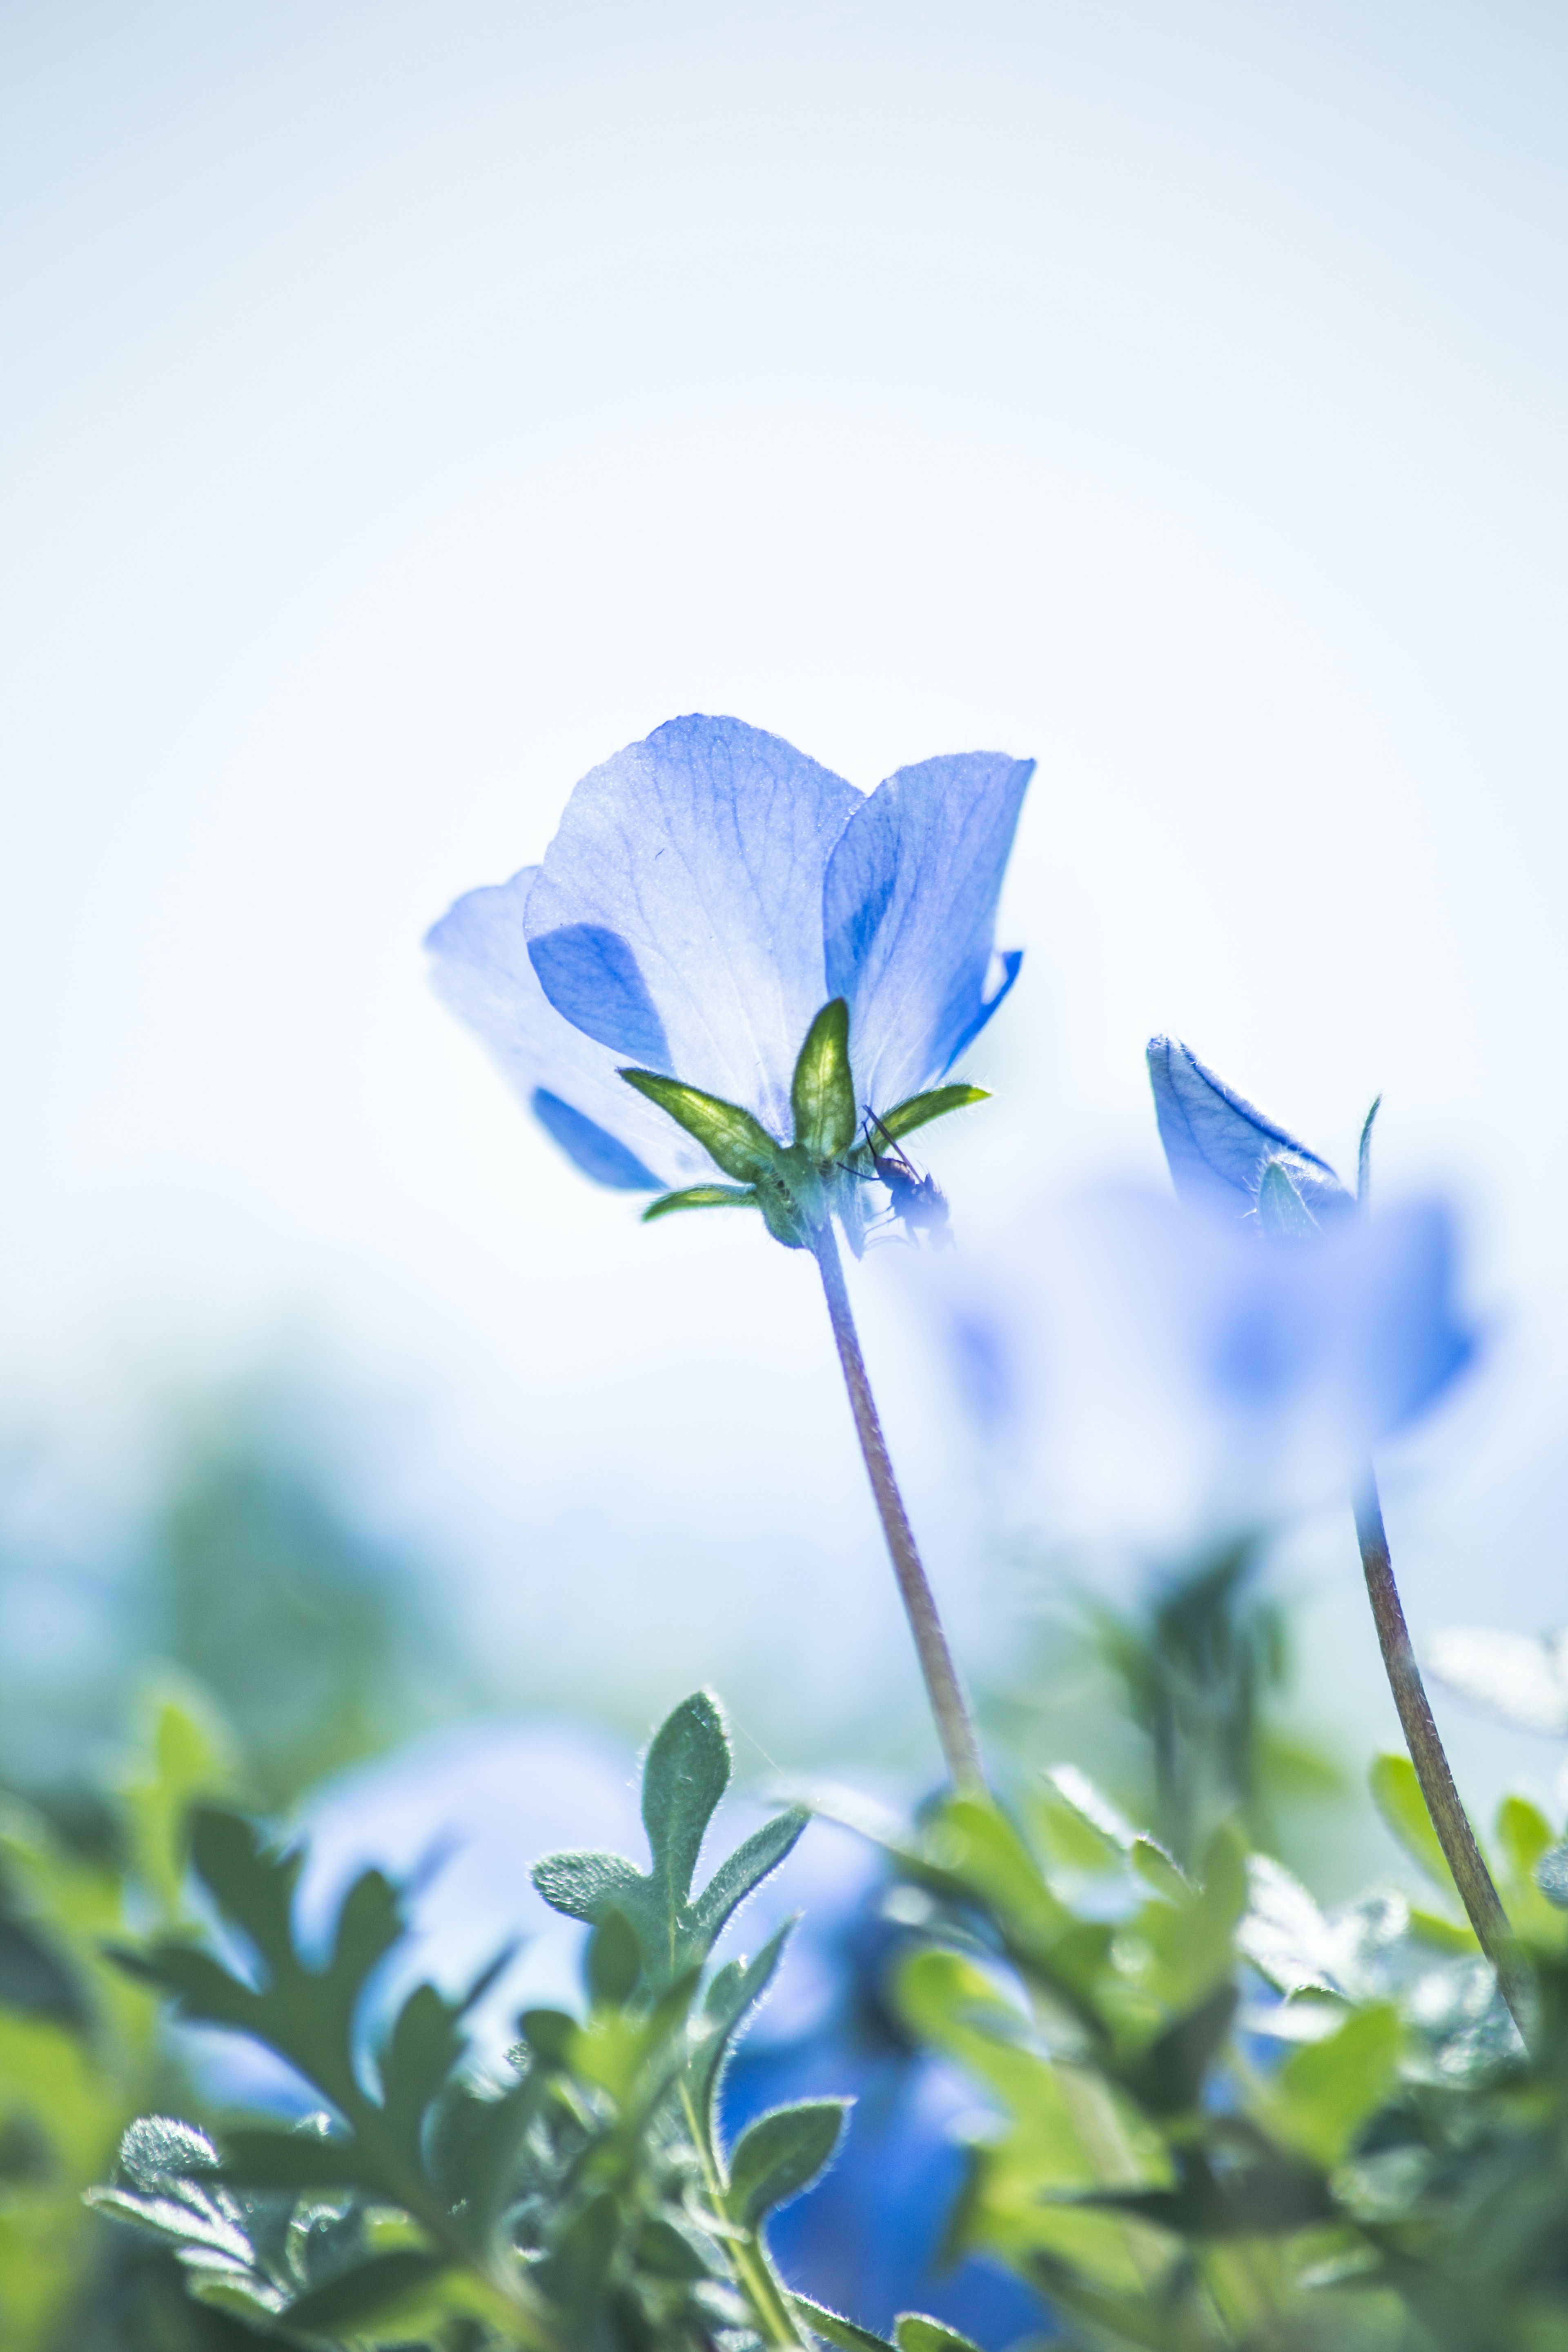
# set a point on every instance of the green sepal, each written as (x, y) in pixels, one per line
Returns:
(702, 1196)
(729, 1135)
(821, 1093)
(920, 1109)
(1281, 1212)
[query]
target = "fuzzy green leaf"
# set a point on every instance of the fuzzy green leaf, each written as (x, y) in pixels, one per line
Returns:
(821, 1093)
(913, 2332)
(920, 1109)
(781, 2154)
(835, 2329)
(729, 1136)
(687, 1772)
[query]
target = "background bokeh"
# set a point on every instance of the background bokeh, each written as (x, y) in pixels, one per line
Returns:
(406, 405)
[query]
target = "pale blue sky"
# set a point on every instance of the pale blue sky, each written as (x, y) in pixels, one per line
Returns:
(406, 406)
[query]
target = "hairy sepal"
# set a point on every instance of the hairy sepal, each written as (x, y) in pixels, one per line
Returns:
(733, 1138)
(823, 1090)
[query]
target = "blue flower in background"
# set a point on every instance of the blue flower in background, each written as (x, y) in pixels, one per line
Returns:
(709, 890)
(1148, 1372)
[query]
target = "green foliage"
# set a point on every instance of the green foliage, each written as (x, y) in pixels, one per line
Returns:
(80, 2054)
(1224, 2118)
(582, 2202)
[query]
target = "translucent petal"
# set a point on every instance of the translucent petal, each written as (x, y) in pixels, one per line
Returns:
(481, 969)
(910, 914)
(679, 908)
(1218, 1144)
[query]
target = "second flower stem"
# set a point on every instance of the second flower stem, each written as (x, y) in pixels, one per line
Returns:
(1483, 1903)
(954, 1728)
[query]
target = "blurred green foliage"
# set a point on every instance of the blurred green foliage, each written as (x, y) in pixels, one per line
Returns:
(245, 1572)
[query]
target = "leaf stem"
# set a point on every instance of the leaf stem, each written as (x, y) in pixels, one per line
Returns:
(953, 1727)
(1474, 1880)
(768, 2299)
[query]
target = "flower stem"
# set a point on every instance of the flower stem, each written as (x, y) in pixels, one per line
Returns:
(1455, 1835)
(953, 1727)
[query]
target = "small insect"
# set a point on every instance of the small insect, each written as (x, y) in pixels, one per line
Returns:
(918, 1201)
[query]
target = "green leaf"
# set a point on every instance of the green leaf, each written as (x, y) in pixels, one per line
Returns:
(549, 2034)
(298, 2159)
(253, 1882)
(668, 2253)
(781, 2153)
(420, 2053)
(920, 1109)
(614, 1962)
(729, 1136)
(1281, 1212)
(576, 2274)
(832, 2329)
(734, 1989)
(702, 1196)
(187, 1755)
(746, 1868)
(1396, 1793)
(344, 2305)
(1524, 1834)
(913, 2332)
(1326, 2090)
(822, 1092)
(687, 1773)
(585, 1885)
(1169, 2075)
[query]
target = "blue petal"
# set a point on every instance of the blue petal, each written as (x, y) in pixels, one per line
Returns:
(481, 970)
(684, 888)
(597, 1154)
(1218, 1144)
(910, 912)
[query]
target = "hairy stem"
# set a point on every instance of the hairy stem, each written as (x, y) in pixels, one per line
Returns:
(953, 1727)
(1455, 1835)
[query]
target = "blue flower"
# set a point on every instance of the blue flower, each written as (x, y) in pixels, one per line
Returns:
(1149, 1373)
(1217, 1145)
(710, 890)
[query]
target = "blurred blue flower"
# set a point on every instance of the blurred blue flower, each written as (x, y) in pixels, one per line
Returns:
(1150, 1373)
(709, 890)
